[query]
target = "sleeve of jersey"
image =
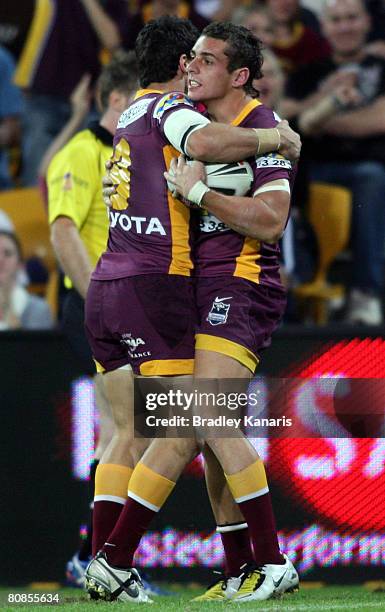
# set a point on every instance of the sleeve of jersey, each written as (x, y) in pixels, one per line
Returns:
(71, 181)
(269, 167)
(178, 119)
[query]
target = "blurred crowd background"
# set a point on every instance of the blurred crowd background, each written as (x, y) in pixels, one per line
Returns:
(324, 71)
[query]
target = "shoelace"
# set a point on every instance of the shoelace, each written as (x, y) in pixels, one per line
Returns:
(249, 569)
(221, 578)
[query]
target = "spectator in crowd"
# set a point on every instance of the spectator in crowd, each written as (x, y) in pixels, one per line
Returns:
(63, 43)
(257, 19)
(295, 43)
(18, 308)
(271, 85)
(10, 115)
(347, 141)
(158, 8)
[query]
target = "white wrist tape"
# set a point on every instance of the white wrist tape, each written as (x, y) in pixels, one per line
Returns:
(197, 192)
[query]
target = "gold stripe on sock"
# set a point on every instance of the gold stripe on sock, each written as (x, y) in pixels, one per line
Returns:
(248, 482)
(150, 486)
(112, 479)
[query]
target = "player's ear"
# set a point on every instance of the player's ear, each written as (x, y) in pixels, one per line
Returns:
(240, 77)
(183, 63)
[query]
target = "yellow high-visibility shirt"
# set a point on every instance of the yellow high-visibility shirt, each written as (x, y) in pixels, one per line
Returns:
(74, 181)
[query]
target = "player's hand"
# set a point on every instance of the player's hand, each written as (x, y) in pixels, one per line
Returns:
(290, 146)
(183, 176)
(108, 189)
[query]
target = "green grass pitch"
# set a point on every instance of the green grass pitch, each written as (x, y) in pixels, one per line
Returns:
(307, 600)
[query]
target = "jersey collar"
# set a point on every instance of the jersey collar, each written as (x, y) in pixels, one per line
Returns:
(145, 92)
(245, 111)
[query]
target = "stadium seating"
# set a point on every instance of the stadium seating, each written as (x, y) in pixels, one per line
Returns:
(329, 212)
(25, 207)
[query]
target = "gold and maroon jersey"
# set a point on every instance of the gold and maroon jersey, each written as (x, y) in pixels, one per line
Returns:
(220, 251)
(150, 230)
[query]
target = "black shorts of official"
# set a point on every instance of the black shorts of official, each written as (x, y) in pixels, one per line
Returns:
(72, 325)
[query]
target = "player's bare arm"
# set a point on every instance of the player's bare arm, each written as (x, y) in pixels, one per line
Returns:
(71, 253)
(262, 217)
(217, 142)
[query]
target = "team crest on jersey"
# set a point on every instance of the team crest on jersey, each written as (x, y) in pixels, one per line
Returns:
(169, 101)
(219, 311)
(134, 346)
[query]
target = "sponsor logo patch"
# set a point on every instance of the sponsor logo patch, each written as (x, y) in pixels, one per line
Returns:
(169, 101)
(139, 225)
(134, 345)
(134, 112)
(219, 311)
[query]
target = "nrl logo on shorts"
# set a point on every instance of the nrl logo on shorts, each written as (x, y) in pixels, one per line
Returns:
(219, 311)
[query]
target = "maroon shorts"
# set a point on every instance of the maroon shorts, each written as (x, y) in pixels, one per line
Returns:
(145, 321)
(237, 317)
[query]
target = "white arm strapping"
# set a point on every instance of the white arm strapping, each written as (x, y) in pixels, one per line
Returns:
(179, 126)
(278, 185)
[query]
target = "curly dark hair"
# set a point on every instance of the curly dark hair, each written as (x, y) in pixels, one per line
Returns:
(243, 49)
(159, 46)
(121, 74)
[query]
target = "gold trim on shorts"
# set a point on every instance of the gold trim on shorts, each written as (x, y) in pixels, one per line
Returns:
(206, 342)
(167, 367)
(99, 368)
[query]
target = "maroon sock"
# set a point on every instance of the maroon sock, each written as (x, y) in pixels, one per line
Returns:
(237, 546)
(105, 515)
(259, 515)
(133, 522)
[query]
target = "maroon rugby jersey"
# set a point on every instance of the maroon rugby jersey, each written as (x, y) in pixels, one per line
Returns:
(150, 231)
(222, 251)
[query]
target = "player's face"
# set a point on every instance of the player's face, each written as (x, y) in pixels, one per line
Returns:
(345, 25)
(208, 77)
(9, 261)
